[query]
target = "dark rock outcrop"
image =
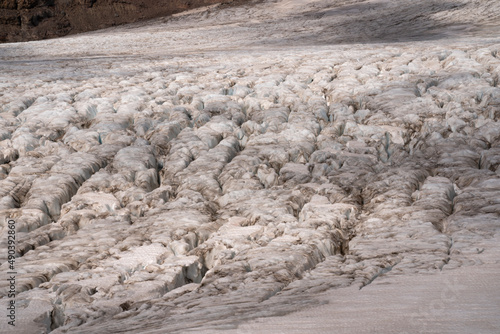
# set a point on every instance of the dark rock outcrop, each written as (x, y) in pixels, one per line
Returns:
(23, 20)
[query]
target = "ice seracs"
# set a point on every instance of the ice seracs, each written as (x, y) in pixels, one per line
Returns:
(181, 190)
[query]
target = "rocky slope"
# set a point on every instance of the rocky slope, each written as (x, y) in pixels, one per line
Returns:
(227, 164)
(23, 20)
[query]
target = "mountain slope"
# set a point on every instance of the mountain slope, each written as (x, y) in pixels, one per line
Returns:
(40, 19)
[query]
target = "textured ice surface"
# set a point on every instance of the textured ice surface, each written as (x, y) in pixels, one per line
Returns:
(198, 171)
